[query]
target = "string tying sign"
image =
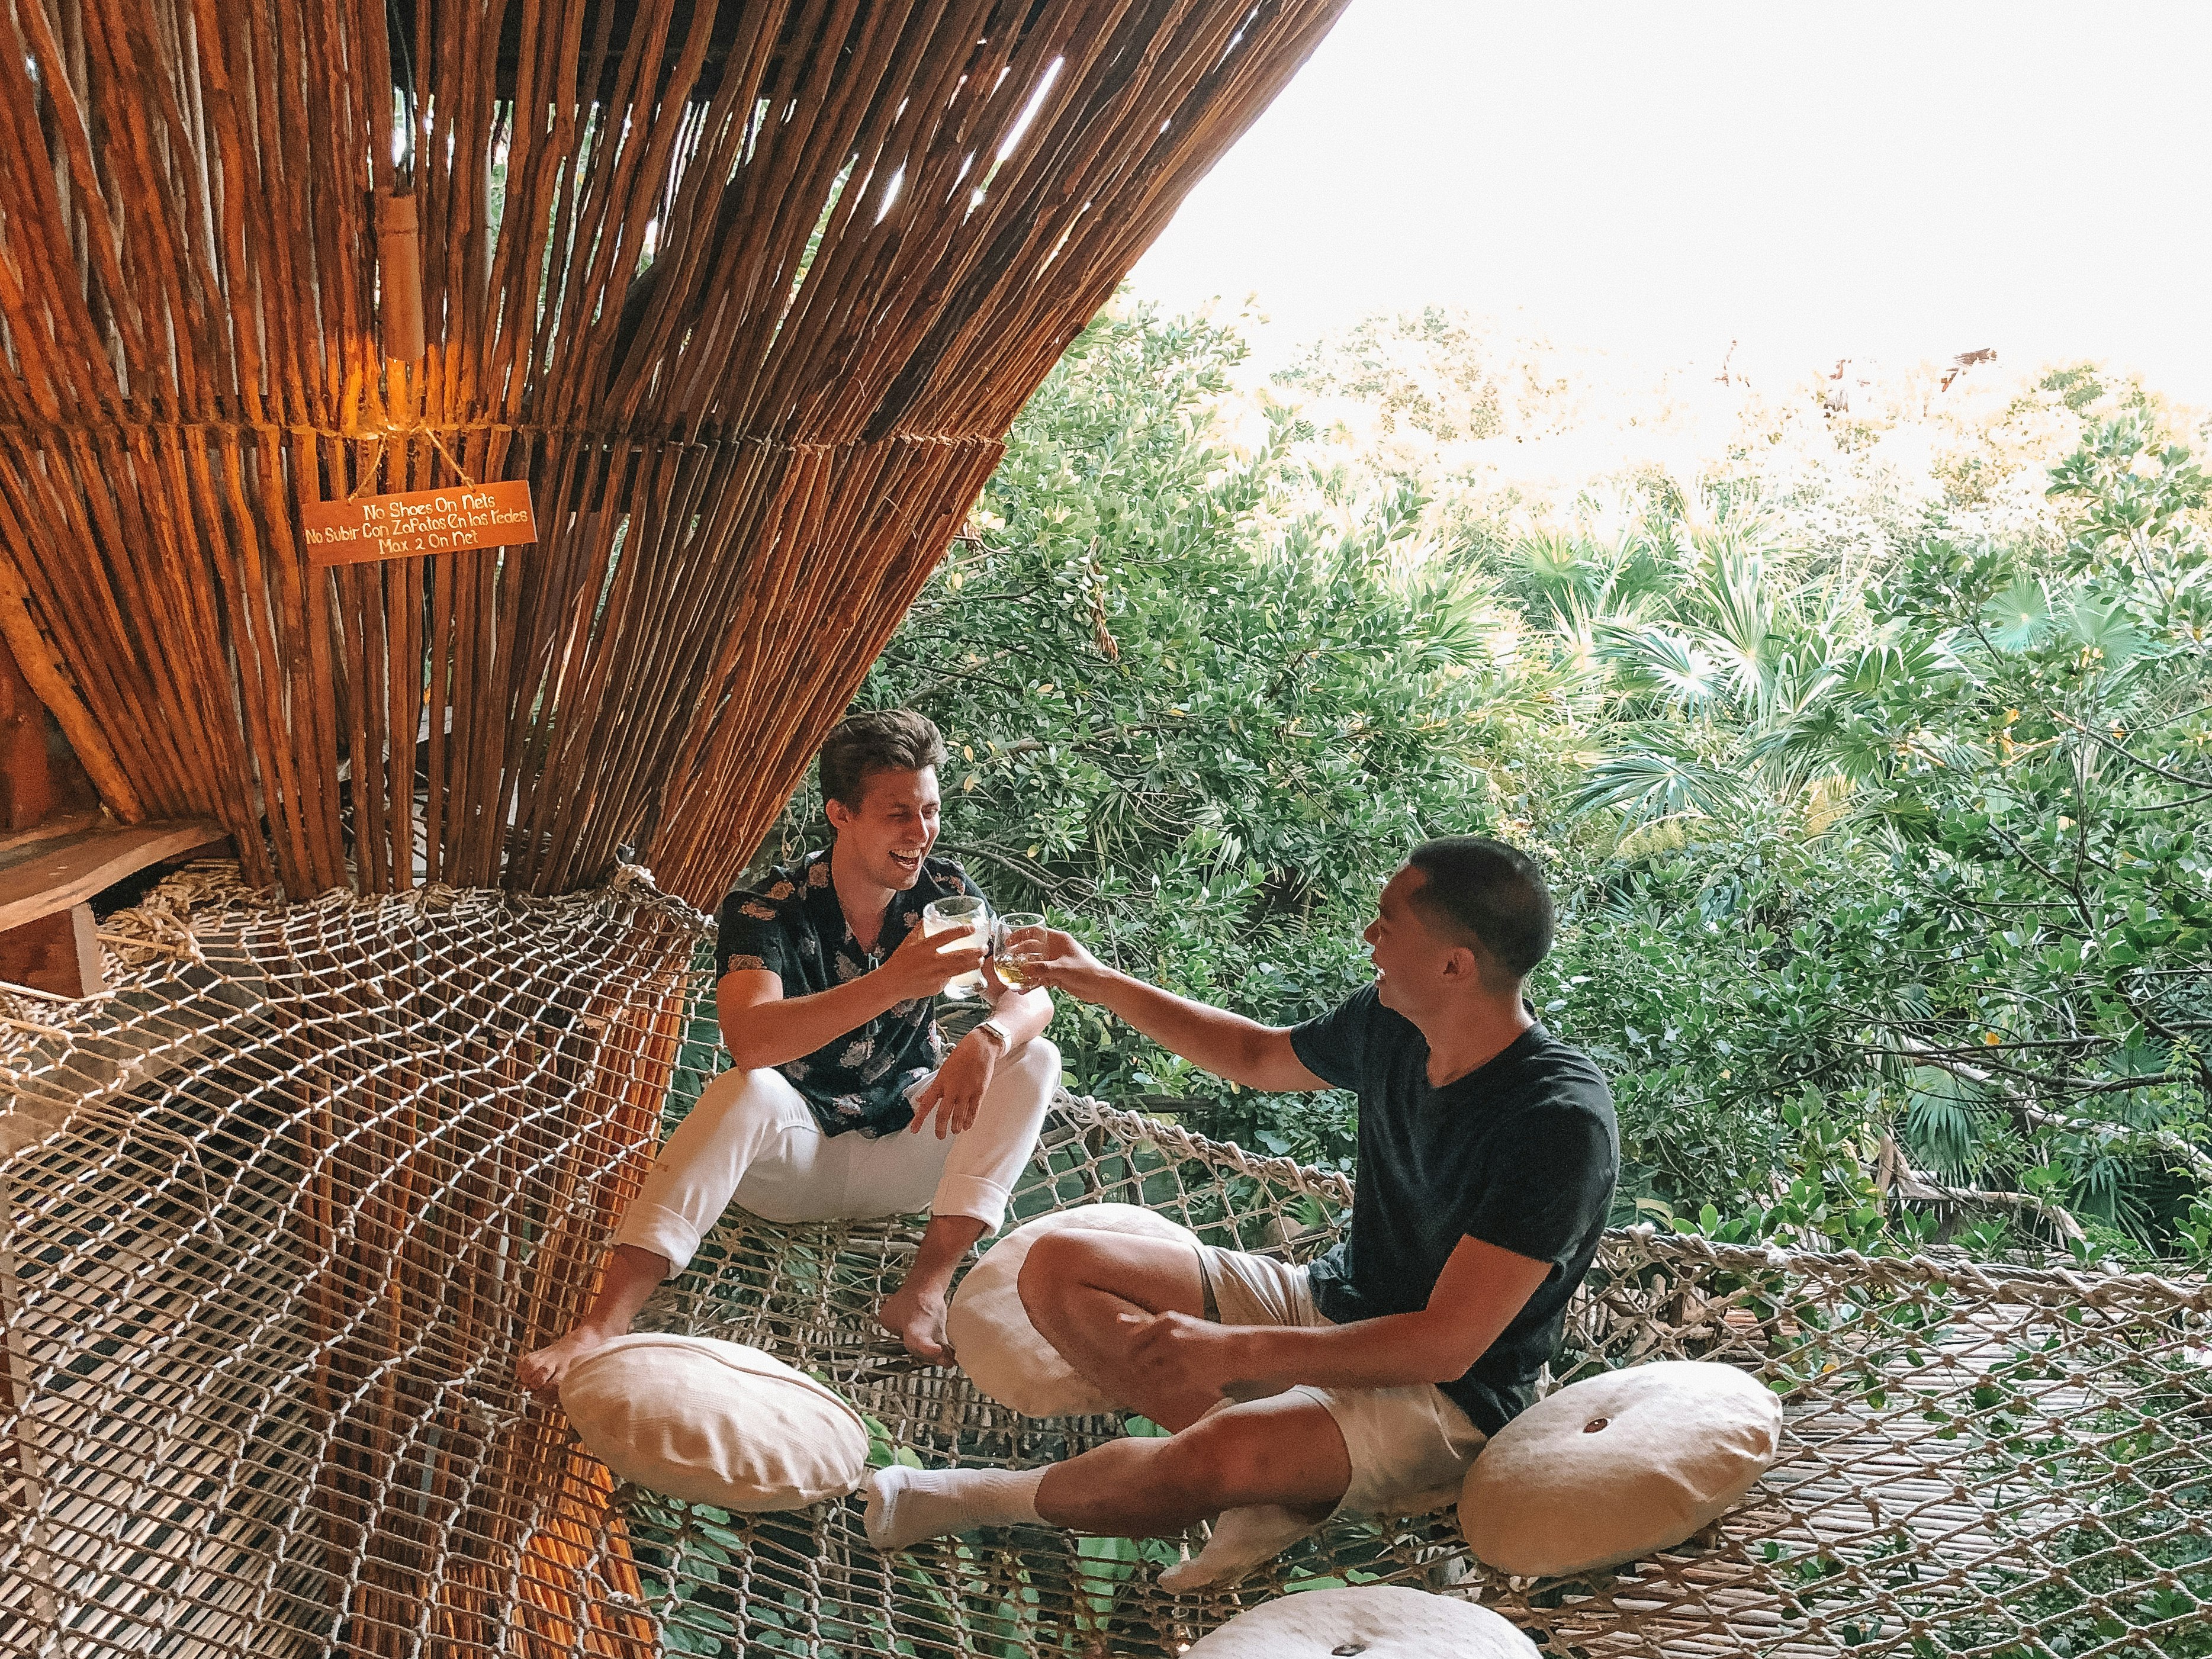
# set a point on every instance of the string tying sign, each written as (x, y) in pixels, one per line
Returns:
(459, 518)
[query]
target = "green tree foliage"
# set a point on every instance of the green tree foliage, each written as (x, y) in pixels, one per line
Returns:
(1199, 703)
(1877, 820)
(1935, 849)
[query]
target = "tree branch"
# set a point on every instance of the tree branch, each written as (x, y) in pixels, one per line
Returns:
(2193, 1158)
(1917, 1185)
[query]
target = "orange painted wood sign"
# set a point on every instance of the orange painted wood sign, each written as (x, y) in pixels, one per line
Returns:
(458, 518)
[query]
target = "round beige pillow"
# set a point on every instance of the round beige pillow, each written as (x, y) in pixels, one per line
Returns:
(1618, 1467)
(1375, 1622)
(990, 1332)
(715, 1423)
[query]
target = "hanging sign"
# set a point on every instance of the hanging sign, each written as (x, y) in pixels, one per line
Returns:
(458, 518)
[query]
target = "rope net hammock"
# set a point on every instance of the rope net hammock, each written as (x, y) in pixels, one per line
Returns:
(283, 1210)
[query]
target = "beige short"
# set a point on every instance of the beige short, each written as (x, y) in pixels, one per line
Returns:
(1410, 1446)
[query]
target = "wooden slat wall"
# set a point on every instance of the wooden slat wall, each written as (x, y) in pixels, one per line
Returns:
(744, 464)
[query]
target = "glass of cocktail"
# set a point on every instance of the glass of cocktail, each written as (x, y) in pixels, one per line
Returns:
(1016, 946)
(961, 912)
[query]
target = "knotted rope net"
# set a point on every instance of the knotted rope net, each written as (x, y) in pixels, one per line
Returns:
(285, 1207)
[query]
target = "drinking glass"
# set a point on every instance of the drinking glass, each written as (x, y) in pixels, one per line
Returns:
(960, 913)
(1011, 958)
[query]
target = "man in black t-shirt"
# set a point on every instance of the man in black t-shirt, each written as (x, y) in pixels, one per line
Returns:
(823, 986)
(1368, 1381)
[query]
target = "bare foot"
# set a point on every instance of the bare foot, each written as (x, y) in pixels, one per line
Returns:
(917, 1319)
(541, 1372)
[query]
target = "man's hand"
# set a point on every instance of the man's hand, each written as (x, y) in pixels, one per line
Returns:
(1063, 964)
(956, 1093)
(924, 963)
(1173, 1352)
(1213, 1039)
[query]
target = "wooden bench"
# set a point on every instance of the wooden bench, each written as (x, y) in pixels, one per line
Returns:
(48, 875)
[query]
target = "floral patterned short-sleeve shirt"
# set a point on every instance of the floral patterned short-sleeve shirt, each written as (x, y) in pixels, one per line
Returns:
(793, 925)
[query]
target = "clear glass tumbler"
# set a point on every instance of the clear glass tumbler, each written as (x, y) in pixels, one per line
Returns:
(1012, 957)
(952, 915)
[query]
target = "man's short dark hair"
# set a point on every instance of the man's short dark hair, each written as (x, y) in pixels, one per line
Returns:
(1485, 891)
(881, 740)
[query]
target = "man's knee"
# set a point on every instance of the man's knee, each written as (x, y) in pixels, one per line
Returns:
(735, 1096)
(1057, 1263)
(1038, 1060)
(765, 1083)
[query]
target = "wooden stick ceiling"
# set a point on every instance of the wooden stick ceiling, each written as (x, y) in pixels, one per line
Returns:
(749, 294)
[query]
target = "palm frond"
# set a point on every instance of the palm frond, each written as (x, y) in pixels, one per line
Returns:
(1742, 616)
(1653, 657)
(2019, 619)
(1660, 773)
(1940, 1127)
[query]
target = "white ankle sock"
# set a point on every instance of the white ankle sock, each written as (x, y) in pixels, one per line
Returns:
(1241, 1541)
(908, 1505)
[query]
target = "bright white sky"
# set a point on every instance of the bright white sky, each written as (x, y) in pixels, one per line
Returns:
(1863, 178)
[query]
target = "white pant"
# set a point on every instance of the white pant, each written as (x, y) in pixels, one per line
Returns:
(752, 1137)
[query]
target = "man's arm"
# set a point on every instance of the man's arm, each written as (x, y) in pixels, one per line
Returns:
(956, 1093)
(762, 1027)
(1480, 1289)
(1228, 1045)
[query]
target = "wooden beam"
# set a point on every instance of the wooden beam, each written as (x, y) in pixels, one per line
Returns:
(40, 776)
(42, 874)
(26, 777)
(58, 954)
(68, 824)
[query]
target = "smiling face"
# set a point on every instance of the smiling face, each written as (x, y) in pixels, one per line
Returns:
(1415, 967)
(889, 834)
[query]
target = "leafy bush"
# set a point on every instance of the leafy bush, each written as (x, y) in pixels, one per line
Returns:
(1873, 811)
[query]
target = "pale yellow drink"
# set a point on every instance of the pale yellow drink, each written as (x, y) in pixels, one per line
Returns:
(1012, 959)
(952, 916)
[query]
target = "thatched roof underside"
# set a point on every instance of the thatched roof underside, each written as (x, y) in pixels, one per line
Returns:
(870, 230)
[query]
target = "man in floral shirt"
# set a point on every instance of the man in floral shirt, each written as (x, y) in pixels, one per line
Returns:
(793, 927)
(823, 990)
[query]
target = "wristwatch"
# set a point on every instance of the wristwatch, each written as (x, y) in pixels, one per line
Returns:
(1005, 1037)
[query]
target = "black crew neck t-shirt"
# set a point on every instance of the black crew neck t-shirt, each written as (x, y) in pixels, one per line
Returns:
(1521, 1152)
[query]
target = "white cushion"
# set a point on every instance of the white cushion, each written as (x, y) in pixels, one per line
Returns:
(715, 1423)
(1375, 1622)
(1618, 1467)
(990, 1331)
